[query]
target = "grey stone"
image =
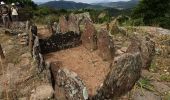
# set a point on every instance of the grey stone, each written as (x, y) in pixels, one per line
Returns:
(145, 95)
(124, 73)
(162, 88)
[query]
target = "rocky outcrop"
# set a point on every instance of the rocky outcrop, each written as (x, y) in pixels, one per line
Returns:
(88, 37)
(105, 46)
(124, 72)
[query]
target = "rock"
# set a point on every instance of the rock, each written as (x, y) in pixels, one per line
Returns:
(83, 16)
(145, 95)
(63, 24)
(56, 27)
(118, 52)
(162, 88)
(25, 62)
(146, 47)
(42, 92)
(148, 52)
(2, 56)
(124, 73)
(105, 46)
(26, 55)
(88, 37)
(1, 91)
(24, 98)
(68, 86)
(73, 24)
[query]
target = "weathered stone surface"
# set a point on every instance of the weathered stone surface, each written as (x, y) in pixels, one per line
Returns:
(59, 41)
(73, 24)
(105, 45)
(1, 91)
(56, 27)
(148, 52)
(68, 86)
(88, 37)
(146, 47)
(2, 56)
(124, 72)
(63, 24)
(23, 38)
(42, 92)
(162, 88)
(145, 95)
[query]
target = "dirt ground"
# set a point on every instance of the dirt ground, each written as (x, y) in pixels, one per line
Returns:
(88, 65)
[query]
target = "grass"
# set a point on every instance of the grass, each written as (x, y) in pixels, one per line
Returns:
(167, 96)
(144, 83)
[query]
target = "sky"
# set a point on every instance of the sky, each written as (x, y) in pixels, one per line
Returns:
(84, 1)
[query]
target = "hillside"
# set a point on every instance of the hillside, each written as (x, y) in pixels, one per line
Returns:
(70, 5)
(120, 4)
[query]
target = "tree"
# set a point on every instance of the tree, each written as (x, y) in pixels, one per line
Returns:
(152, 11)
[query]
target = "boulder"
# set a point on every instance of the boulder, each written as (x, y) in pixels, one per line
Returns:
(105, 45)
(124, 73)
(88, 37)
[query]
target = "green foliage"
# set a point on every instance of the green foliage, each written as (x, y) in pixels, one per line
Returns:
(44, 15)
(23, 2)
(153, 12)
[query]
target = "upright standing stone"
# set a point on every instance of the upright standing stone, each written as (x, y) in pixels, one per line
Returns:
(146, 47)
(88, 37)
(63, 24)
(124, 73)
(106, 45)
(68, 86)
(73, 24)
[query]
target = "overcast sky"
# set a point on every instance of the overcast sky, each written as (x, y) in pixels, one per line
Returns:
(85, 1)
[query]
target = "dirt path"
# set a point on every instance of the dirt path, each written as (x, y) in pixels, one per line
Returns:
(88, 65)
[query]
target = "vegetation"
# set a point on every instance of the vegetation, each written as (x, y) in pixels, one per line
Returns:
(152, 12)
(22, 2)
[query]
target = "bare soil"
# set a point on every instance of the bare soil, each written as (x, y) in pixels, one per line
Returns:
(88, 65)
